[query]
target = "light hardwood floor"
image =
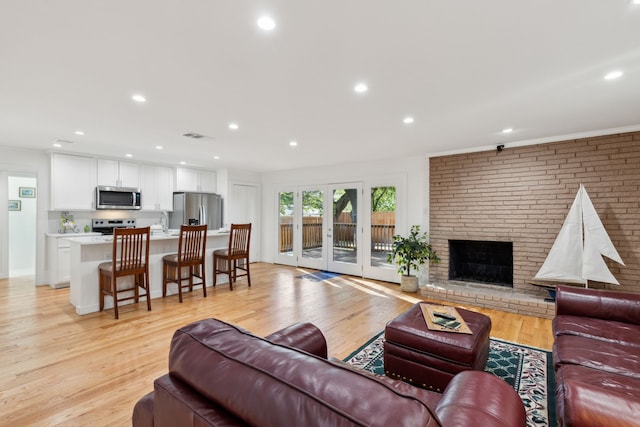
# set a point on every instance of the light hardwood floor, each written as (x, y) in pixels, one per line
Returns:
(59, 368)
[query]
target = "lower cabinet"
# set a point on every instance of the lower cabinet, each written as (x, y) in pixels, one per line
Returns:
(58, 261)
(58, 258)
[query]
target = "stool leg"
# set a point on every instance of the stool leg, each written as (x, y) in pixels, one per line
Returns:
(204, 280)
(115, 295)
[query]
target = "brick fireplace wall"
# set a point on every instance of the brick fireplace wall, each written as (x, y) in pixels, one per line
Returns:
(523, 194)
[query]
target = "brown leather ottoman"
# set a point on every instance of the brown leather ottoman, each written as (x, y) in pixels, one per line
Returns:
(429, 359)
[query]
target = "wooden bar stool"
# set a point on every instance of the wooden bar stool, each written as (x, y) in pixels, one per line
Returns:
(130, 257)
(226, 261)
(191, 254)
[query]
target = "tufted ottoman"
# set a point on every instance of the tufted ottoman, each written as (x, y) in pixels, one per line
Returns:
(429, 359)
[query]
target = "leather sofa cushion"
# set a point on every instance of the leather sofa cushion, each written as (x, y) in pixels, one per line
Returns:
(597, 329)
(607, 357)
(588, 397)
(269, 385)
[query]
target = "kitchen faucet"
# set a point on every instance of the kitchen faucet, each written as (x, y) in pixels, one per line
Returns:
(164, 221)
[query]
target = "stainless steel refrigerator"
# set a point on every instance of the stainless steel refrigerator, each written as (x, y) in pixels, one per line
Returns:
(196, 208)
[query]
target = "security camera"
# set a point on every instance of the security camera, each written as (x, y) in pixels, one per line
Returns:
(500, 147)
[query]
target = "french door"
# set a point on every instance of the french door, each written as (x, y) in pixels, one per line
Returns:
(343, 228)
(319, 227)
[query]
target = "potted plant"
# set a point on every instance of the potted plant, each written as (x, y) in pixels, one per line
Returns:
(410, 253)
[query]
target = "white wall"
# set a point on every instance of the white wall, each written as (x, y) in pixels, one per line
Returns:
(413, 167)
(14, 161)
(22, 228)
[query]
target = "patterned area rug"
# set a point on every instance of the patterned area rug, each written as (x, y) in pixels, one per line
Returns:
(528, 370)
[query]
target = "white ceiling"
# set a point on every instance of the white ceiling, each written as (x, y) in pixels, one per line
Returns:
(463, 69)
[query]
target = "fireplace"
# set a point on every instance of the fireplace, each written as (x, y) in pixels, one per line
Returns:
(481, 262)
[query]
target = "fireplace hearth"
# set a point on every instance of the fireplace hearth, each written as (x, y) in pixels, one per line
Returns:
(481, 262)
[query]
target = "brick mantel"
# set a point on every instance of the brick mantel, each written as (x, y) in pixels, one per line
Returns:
(523, 194)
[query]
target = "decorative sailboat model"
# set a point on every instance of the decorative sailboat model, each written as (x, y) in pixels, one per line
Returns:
(576, 255)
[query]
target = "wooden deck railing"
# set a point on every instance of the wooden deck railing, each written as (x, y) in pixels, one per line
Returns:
(343, 236)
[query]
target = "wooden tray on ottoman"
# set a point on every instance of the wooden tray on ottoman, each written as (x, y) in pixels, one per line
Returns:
(430, 313)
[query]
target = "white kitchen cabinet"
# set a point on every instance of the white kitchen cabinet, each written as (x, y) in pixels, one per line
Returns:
(196, 180)
(58, 261)
(118, 174)
(58, 258)
(73, 182)
(156, 185)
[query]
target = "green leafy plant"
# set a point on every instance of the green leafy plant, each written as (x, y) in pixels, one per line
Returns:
(412, 251)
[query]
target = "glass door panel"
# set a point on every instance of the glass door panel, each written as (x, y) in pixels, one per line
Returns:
(312, 221)
(385, 201)
(383, 225)
(346, 232)
(285, 249)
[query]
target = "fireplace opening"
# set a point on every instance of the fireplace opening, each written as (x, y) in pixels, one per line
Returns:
(481, 262)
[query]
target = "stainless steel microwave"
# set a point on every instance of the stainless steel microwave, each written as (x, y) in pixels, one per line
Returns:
(118, 198)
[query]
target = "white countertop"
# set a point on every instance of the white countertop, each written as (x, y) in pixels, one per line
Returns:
(79, 234)
(97, 238)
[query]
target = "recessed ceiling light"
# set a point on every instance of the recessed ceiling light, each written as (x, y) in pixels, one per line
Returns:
(57, 144)
(266, 23)
(128, 155)
(408, 120)
(139, 98)
(507, 130)
(233, 126)
(613, 75)
(183, 163)
(293, 143)
(158, 147)
(360, 88)
(636, 2)
(216, 157)
(79, 132)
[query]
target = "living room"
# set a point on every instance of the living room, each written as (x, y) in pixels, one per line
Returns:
(497, 162)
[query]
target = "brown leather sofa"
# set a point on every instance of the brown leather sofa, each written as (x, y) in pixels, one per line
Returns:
(596, 357)
(221, 375)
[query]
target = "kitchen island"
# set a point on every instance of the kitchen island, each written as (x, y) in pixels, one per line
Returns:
(87, 252)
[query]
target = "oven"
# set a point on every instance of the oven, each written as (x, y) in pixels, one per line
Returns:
(106, 226)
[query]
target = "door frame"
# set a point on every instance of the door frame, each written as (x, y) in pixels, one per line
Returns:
(315, 263)
(287, 258)
(398, 181)
(354, 269)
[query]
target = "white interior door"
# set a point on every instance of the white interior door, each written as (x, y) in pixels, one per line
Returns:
(245, 207)
(4, 226)
(345, 229)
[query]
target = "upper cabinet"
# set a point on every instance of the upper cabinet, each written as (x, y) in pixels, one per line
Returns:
(196, 180)
(73, 182)
(118, 174)
(156, 185)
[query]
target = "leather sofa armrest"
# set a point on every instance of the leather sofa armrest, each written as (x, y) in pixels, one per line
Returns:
(302, 336)
(475, 398)
(599, 304)
(143, 412)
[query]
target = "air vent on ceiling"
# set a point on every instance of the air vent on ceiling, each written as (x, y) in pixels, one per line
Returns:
(62, 141)
(195, 135)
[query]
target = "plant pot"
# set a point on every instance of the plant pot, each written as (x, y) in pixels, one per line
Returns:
(409, 283)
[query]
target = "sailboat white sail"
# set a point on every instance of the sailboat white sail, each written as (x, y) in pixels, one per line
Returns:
(576, 255)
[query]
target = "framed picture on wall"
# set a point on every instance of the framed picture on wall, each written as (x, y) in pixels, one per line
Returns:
(25, 192)
(15, 205)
